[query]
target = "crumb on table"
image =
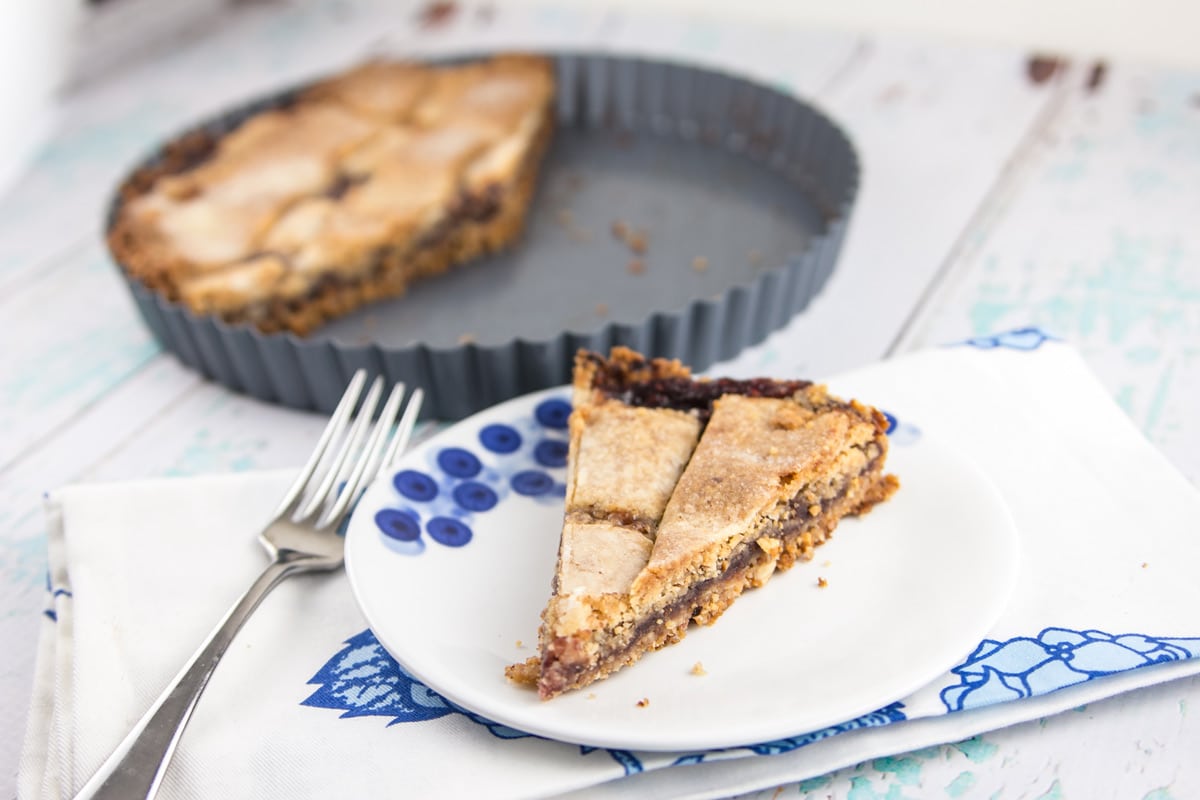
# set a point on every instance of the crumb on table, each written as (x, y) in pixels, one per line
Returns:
(635, 240)
(636, 266)
(601, 309)
(437, 14)
(566, 220)
(645, 701)
(699, 263)
(638, 242)
(821, 582)
(466, 338)
(698, 669)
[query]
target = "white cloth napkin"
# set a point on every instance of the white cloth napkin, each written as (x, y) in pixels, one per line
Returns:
(308, 704)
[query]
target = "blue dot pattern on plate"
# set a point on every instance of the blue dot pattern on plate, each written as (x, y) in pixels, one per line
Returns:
(553, 414)
(898, 432)
(475, 496)
(448, 531)
(532, 482)
(500, 438)
(458, 462)
(415, 485)
(401, 530)
(550, 453)
(521, 457)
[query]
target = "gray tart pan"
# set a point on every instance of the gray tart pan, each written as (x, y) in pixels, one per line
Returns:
(740, 193)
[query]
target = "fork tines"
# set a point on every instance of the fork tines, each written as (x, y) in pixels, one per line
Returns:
(351, 452)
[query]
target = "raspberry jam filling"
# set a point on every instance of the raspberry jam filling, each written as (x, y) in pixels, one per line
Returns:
(636, 385)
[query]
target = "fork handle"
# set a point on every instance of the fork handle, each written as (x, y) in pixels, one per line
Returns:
(135, 769)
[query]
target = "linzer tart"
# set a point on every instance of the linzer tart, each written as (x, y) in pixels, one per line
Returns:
(681, 494)
(363, 183)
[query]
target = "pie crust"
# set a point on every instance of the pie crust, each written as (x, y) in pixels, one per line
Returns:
(681, 494)
(363, 183)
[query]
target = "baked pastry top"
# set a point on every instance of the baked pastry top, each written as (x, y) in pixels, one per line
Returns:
(681, 493)
(362, 183)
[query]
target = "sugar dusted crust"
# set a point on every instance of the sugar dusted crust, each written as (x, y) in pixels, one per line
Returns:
(777, 465)
(364, 183)
(656, 444)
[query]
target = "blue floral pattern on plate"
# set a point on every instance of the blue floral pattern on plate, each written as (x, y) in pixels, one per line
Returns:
(526, 457)
(1054, 659)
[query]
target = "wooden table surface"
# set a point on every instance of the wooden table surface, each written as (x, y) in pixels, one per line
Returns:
(998, 191)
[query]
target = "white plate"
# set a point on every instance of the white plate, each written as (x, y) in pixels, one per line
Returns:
(911, 589)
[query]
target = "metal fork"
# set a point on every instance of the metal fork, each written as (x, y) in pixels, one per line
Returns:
(302, 537)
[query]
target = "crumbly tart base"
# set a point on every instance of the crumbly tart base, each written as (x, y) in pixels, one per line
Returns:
(286, 257)
(397, 267)
(575, 661)
(586, 636)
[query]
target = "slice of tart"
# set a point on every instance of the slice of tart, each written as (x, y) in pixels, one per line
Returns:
(360, 185)
(681, 494)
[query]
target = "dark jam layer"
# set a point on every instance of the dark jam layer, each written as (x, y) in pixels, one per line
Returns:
(685, 394)
(466, 208)
(635, 383)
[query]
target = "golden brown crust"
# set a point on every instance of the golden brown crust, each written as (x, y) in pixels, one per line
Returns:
(655, 444)
(756, 457)
(371, 179)
(767, 482)
(387, 90)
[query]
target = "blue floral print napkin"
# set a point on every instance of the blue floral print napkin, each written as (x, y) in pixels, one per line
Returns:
(309, 704)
